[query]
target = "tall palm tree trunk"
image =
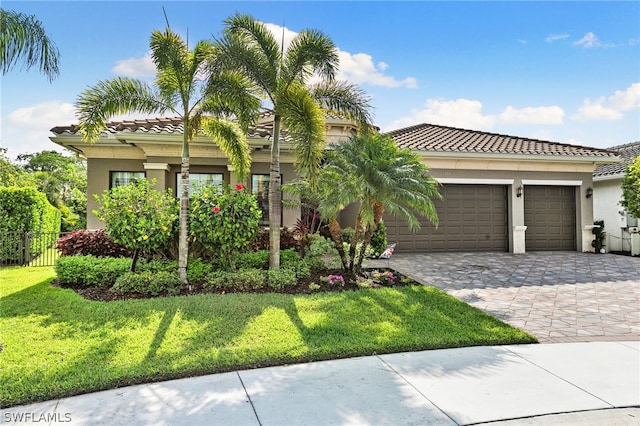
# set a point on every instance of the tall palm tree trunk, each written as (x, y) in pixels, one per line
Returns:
(183, 242)
(336, 235)
(378, 211)
(275, 207)
(354, 240)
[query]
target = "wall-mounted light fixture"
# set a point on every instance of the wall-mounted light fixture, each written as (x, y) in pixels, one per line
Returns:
(519, 191)
(589, 192)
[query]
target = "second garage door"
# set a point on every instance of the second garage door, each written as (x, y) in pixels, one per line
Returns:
(550, 217)
(472, 218)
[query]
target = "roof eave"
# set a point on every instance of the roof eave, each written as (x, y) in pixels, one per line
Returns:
(594, 159)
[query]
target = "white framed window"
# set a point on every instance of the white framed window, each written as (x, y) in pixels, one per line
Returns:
(198, 180)
(124, 178)
(260, 188)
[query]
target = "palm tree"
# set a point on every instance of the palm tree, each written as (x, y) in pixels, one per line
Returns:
(202, 100)
(282, 76)
(371, 170)
(23, 39)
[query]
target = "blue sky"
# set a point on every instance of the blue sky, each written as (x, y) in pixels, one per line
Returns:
(560, 71)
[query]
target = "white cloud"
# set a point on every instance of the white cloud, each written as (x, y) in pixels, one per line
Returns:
(27, 129)
(359, 68)
(468, 114)
(135, 67)
(590, 40)
(532, 115)
(556, 37)
(356, 68)
(612, 107)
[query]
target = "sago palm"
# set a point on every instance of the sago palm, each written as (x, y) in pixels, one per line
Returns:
(371, 170)
(282, 76)
(220, 103)
(23, 39)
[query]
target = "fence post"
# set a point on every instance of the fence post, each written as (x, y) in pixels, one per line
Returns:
(27, 245)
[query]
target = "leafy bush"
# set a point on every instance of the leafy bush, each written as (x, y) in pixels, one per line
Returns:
(147, 282)
(96, 243)
(347, 234)
(26, 209)
(90, 270)
(254, 259)
(198, 270)
(226, 221)
(158, 265)
(137, 216)
(378, 240)
(242, 280)
(281, 278)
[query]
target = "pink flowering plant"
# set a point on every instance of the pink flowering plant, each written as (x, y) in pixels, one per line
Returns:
(334, 280)
(225, 220)
(384, 277)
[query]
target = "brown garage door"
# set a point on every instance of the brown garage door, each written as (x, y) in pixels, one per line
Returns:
(550, 217)
(472, 218)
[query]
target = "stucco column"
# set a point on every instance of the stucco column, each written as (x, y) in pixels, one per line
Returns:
(157, 171)
(233, 177)
(584, 213)
(518, 228)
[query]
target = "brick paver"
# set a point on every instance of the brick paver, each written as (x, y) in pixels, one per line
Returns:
(556, 296)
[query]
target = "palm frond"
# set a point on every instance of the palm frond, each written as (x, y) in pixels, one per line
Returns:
(232, 142)
(231, 94)
(346, 100)
(24, 40)
(249, 46)
(310, 52)
(107, 98)
(305, 124)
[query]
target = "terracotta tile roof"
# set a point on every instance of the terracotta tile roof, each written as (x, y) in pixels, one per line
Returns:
(430, 137)
(159, 125)
(627, 152)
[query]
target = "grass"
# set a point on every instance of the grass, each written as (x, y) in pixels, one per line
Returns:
(56, 344)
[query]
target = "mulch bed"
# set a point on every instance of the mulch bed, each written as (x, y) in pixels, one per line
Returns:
(103, 294)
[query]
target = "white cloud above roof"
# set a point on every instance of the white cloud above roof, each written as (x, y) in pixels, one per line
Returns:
(468, 114)
(612, 107)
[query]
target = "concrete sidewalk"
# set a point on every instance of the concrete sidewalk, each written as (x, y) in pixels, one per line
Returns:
(593, 383)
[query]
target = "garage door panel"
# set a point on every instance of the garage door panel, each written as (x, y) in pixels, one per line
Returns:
(550, 217)
(472, 218)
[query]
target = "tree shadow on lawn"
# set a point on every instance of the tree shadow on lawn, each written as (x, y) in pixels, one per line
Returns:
(144, 340)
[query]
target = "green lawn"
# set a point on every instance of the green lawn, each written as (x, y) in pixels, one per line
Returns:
(55, 343)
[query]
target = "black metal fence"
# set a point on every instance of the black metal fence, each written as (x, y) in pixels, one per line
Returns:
(29, 248)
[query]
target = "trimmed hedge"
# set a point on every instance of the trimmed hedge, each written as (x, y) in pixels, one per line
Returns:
(27, 210)
(89, 271)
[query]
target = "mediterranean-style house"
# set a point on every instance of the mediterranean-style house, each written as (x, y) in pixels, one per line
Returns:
(500, 193)
(607, 193)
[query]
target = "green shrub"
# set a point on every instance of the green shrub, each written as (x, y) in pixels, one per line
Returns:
(90, 270)
(378, 241)
(198, 270)
(27, 210)
(254, 259)
(281, 278)
(242, 280)
(147, 282)
(347, 234)
(158, 265)
(225, 221)
(137, 216)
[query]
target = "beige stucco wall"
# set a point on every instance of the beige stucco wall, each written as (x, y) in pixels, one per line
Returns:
(514, 174)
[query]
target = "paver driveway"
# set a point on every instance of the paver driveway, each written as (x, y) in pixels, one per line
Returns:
(556, 296)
